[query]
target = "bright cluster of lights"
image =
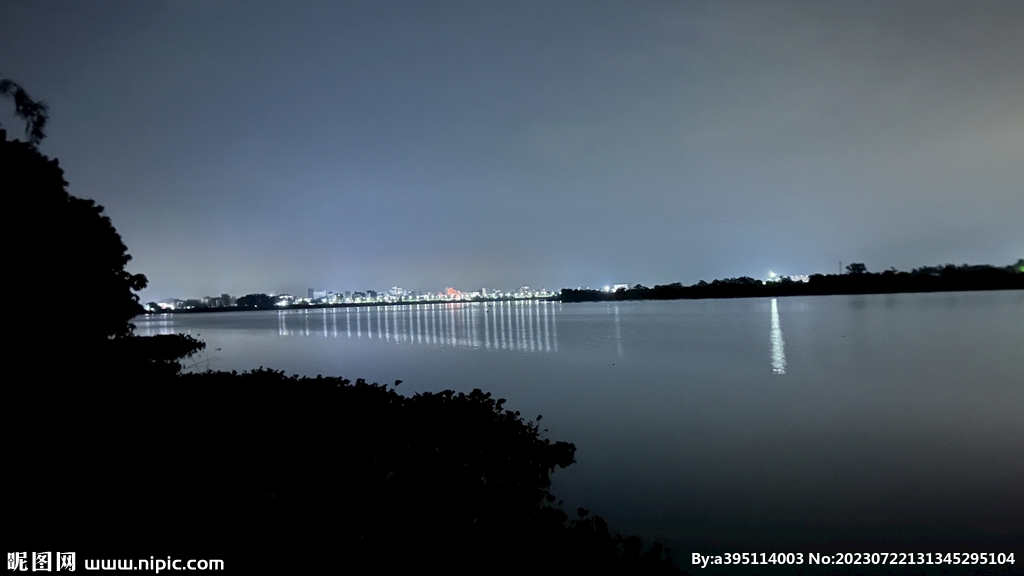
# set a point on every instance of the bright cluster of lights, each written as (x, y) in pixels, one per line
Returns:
(773, 277)
(397, 295)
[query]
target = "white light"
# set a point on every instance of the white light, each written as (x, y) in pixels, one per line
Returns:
(778, 344)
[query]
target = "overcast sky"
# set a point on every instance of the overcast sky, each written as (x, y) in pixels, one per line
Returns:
(255, 146)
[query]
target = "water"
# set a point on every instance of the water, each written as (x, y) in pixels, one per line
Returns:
(887, 421)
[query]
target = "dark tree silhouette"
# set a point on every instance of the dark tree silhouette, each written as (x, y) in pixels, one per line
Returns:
(68, 246)
(856, 268)
(260, 301)
(32, 112)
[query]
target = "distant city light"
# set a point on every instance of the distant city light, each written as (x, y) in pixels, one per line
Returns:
(316, 297)
(774, 277)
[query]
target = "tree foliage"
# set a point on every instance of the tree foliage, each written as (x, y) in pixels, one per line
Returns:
(258, 301)
(34, 113)
(69, 248)
(72, 248)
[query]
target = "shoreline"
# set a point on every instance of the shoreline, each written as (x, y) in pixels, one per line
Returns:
(764, 292)
(612, 297)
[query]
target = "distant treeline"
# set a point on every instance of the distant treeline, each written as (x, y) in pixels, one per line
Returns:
(857, 280)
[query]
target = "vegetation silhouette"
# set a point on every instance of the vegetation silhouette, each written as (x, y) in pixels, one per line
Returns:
(256, 302)
(74, 246)
(858, 280)
(261, 467)
(33, 113)
(856, 268)
(116, 452)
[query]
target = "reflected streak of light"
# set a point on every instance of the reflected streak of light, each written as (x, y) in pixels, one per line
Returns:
(439, 323)
(442, 325)
(520, 344)
(501, 317)
(778, 344)
(541, 336)
(529, 325)
(542, 319)
(432, 319)
(507, 325)
(618, 333)
(554, 325)
(487, 328)
(451, 325)
(511, 328)
(474, 316)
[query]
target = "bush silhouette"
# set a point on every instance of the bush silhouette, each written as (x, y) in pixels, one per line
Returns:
(286, 464)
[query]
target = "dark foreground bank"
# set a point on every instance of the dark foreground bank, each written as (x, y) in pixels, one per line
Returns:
(269, 472)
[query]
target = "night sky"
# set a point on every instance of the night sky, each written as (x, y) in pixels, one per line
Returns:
(273, 146)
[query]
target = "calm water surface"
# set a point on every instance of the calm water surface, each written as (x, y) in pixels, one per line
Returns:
(762, 423)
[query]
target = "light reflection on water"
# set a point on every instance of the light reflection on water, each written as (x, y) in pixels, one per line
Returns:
(527, 326)
(158, 326)
(778, 344)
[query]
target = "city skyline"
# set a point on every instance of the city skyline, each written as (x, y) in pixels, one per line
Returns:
(319, 293)
(366, 296)
(246, 145)
(399, 294)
